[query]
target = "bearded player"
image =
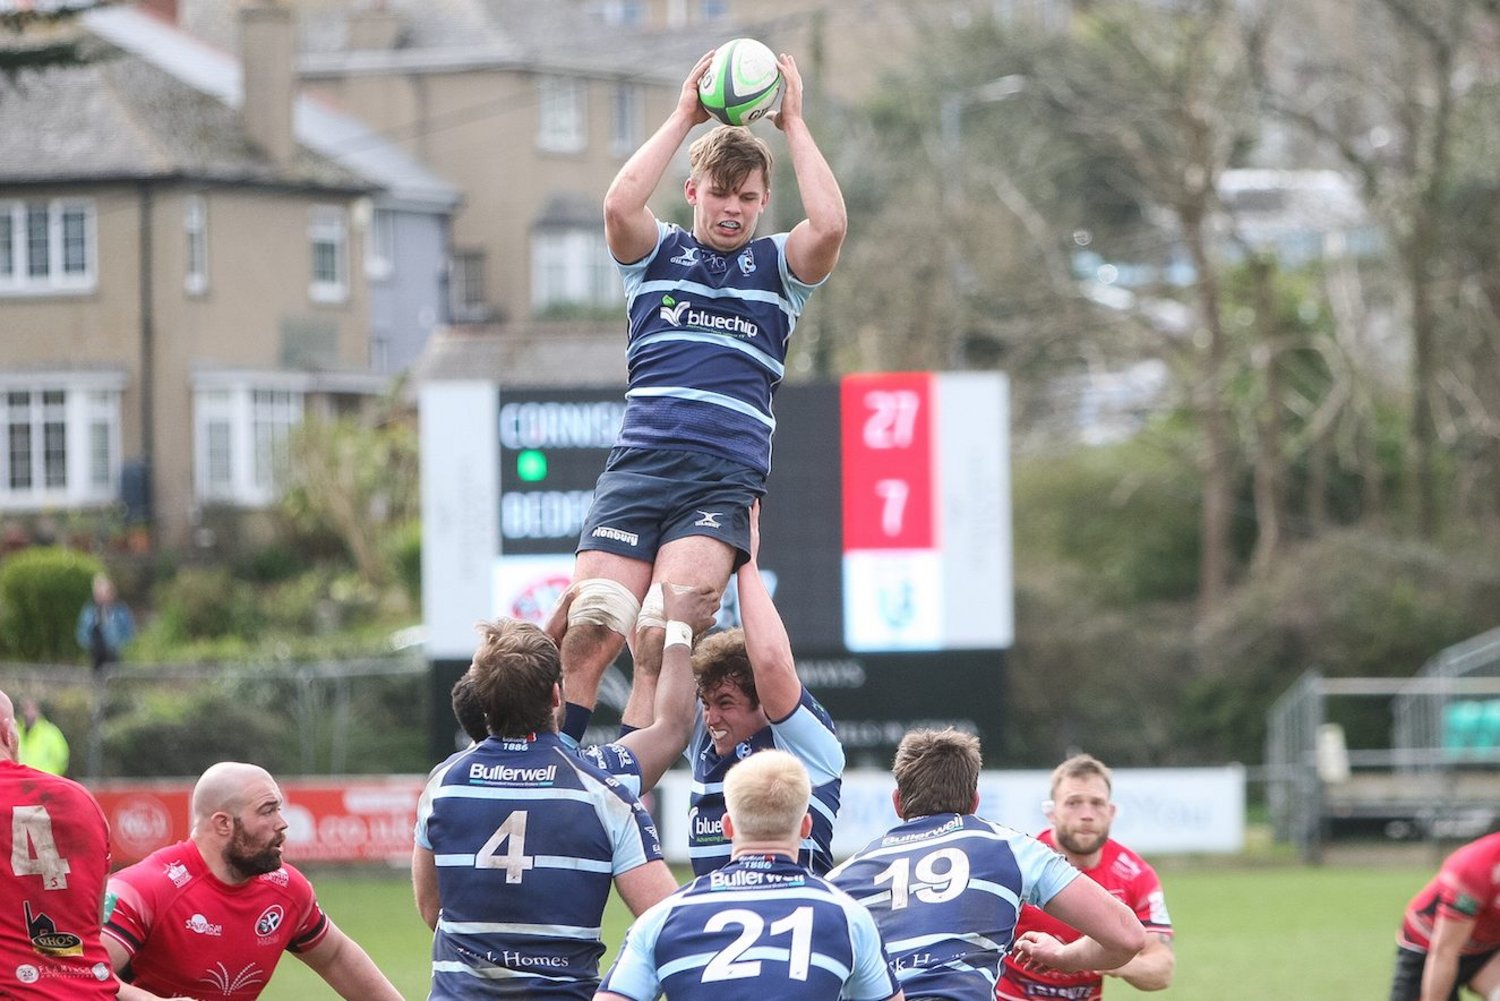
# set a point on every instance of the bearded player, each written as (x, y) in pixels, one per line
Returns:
(211, 916)
(1080, 812)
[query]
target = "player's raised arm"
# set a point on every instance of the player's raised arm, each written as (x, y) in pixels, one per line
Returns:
(689, 612)
(812, 248)
(629, 226)
(766, 641)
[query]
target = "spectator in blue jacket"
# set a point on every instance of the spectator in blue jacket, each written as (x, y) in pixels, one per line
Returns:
(105, 624)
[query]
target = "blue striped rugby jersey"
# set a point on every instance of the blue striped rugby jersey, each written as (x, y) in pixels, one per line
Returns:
(707, 345)
(761, 927)
(945, 891)
(527, 838)
(808, 733)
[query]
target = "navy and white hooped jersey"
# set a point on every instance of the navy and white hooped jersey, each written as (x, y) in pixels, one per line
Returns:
(708, 345)
(761, 927)
(527, 838)
(808, 733)
(945, 891)
(617, 761)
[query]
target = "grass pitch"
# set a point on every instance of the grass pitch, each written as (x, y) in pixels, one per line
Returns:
(1244, 933)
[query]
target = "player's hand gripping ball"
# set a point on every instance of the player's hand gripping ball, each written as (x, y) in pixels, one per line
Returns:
(742, 82)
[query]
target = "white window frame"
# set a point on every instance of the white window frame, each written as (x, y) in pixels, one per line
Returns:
(56, 276)
(380, 245)
(86, 407)
(195, 233)
(627, 119)
(571, 266)
(562, 114)
(328, 225)
(241, 431)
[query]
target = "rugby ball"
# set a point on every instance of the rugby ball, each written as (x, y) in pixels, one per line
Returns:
(742, 82)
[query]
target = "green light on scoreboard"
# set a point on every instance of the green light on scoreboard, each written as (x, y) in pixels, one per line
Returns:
(531, 466)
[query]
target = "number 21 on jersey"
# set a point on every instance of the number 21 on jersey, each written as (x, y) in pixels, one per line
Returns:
(33, 851)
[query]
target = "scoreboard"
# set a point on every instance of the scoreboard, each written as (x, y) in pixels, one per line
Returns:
(885, 532)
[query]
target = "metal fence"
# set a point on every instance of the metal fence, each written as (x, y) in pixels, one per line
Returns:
(1423, 784)
(322, 717)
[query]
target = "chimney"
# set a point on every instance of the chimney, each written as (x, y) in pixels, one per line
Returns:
(267, 70)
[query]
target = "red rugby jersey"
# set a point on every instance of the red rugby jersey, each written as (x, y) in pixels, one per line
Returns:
(1466, 888)
(54, 859)
(1127, 877)
(191, 934)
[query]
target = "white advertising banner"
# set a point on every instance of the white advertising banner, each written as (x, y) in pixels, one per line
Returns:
(1161, 810)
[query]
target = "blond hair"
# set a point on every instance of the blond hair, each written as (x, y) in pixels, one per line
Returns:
(727, 155)
(1081, 766)
(766, 796)
(937, 771)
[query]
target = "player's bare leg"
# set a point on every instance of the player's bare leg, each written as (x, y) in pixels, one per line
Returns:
(696, 561)
(601, 607)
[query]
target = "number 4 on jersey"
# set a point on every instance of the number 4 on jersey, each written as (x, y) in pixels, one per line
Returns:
(515, 861)
(33, 852)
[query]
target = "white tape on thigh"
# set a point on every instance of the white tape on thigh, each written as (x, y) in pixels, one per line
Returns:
(653, 610)
(604, 602)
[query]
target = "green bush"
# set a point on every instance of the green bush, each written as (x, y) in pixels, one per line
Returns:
(1125, 515)
(182, 732)
(41, 591)
(207, 603)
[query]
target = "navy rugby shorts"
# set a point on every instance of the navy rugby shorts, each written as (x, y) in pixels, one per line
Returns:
(647, 497)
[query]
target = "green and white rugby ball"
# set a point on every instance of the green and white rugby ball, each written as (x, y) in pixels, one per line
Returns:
(742, 82)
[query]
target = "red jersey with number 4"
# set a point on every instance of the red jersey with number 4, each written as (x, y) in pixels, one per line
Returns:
(1466, 888)
(54, 858)
(1127, 877)
(191, 934)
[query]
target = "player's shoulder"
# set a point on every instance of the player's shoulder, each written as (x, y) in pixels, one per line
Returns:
(1124, 864)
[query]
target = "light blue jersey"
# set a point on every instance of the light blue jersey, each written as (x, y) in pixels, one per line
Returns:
(808, 734)
(762, 927)
(945, 891)
(527, 838)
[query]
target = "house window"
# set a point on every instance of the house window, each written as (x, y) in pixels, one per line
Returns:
(561, 125)
(242, 442)
(380, 245)
(625, 124)
(60, 444)
(328, 236)
(466, 287)
(46, 246)
(195, 227)
(713, 10)
(572, 268)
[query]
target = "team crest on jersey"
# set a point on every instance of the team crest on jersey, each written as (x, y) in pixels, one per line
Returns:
(687, 258)
(747, 262)
(270, 919)
(743, 750)
(178, 874)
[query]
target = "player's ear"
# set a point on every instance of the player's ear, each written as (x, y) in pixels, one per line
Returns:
(1048, 806)
(728, 828)
(806, 828)
(690, 190)
(896, 802)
